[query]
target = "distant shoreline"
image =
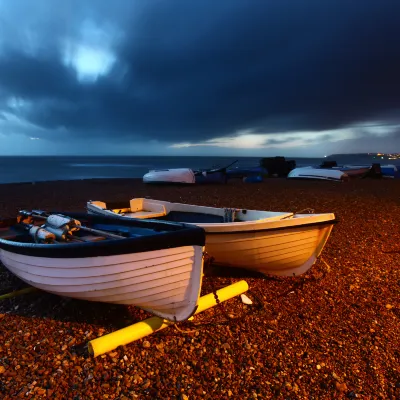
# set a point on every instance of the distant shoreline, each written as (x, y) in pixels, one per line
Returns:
(28, 169)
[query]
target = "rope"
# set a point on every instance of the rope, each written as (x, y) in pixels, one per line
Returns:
(258, 307)
(308, 210)
(328, 267)
(208, 261)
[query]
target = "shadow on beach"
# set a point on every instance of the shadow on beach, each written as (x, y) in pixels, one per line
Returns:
(40, 304)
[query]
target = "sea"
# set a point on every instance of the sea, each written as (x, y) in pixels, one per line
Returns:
(18, 169)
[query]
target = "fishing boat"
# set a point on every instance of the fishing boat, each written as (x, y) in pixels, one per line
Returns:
(318, 173)
(154, 265)
(273, 243)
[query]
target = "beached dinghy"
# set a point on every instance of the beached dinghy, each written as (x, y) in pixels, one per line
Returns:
(174, 175)
(154, 265)
(276, 243)
(390, 171)
(318, 173)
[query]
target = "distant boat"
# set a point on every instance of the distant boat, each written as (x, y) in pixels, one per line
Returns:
(154, 265)
(327, 174)
(390, 171)
(187, 175)
(173, 175)
(275, 243)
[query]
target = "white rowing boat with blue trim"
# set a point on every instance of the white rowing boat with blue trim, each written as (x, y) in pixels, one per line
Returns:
(273, 243)
(154, 265)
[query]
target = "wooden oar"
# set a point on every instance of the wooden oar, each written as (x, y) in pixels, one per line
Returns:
(99, 232)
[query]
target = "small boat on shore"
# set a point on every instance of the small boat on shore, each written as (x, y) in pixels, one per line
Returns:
(318, 173)
(187, 175)
(154, 265)
(273, 243)
(390, 171)
(170, 176)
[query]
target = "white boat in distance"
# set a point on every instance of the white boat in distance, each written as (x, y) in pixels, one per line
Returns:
(174, 175)
(154, 265)
(273, 243)
(318, 173)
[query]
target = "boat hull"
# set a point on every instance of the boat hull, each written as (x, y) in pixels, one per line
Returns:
(282, 252)
(154, 265)
(170, 176)
(390, 171)
(166, 283)
(318, 173)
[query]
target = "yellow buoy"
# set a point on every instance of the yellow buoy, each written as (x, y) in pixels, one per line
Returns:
(144, 328)
(18, 292)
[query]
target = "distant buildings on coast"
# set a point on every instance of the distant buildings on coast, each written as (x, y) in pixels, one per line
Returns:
(382, 156)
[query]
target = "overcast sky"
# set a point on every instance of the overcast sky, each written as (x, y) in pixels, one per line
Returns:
(205, 77)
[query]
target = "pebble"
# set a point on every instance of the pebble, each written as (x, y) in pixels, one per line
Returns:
(146, 384)
(146, 344)
(341, 387)
(335, 376)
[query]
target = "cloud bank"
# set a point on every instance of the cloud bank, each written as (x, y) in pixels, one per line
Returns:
(199, 73)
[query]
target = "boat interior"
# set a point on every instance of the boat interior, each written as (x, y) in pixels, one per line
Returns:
(186, 213)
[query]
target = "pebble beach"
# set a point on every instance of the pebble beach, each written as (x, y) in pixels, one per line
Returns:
(332, 333)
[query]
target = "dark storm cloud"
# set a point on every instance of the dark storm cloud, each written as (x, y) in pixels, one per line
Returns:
(195, 70)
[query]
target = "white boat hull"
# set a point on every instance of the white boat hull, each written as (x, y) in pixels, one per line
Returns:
(318, 173)
(175, 175)
(275, 252)
(165, 282)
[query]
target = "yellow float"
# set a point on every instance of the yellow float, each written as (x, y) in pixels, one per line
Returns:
(144, 328)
